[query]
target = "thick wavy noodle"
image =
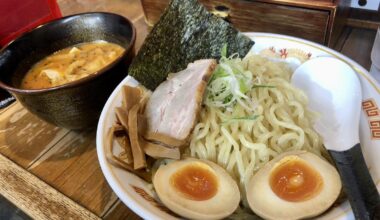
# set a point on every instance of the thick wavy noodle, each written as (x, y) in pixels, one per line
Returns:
(242, 139)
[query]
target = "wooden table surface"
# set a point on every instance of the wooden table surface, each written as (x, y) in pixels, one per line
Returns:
(53, 173)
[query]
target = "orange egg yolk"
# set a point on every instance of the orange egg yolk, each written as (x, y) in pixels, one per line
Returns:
(294, 180)
(195, 182)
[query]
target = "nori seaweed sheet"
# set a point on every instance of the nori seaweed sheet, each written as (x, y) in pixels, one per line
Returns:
(185, 32)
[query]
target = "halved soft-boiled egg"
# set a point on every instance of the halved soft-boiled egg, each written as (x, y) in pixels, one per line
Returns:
(197, 189)
(294, 185)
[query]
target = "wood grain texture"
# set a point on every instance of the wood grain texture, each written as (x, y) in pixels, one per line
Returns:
(67, 161)
(342, 39)
(257, 16)
(366, 15)
(142, 30)
(358, 46)
(337, 22)
(72, 167)
(120, 211)
(314, 4)
(130, 9)
(36, 198)
(358, 23)
(24, 137)
(263, 17)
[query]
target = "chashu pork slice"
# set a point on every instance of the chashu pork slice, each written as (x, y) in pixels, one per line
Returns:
(174, 106)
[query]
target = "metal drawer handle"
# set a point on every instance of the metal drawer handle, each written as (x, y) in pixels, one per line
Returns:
(362, 2)
(221, 11)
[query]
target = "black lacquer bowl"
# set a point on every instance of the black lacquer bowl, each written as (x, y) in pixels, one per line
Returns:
(76, 105)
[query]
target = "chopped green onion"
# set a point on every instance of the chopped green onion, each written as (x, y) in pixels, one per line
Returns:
(223, 52)
(229, 83)
(263, 86)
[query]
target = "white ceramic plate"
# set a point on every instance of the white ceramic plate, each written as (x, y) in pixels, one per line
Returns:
(137, 194)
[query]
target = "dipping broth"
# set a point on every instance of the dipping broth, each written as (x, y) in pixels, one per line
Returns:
(70, 64)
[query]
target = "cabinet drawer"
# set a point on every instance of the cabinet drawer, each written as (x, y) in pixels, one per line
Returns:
(260, 17)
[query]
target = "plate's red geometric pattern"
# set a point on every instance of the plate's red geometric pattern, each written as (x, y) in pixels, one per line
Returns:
(284, 53)
(150, 199)
(372, 112)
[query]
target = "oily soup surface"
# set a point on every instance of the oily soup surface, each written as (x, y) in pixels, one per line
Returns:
(70, 64)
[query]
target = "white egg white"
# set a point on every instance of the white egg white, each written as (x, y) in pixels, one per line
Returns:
(265, 203)
(222, 204)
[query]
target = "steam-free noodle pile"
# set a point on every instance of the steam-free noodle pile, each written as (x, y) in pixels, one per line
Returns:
(267, 120)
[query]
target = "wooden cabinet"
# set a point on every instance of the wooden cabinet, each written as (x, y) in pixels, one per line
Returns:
(320, 21)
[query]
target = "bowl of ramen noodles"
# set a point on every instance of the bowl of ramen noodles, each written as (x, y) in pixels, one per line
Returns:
(65, 70)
